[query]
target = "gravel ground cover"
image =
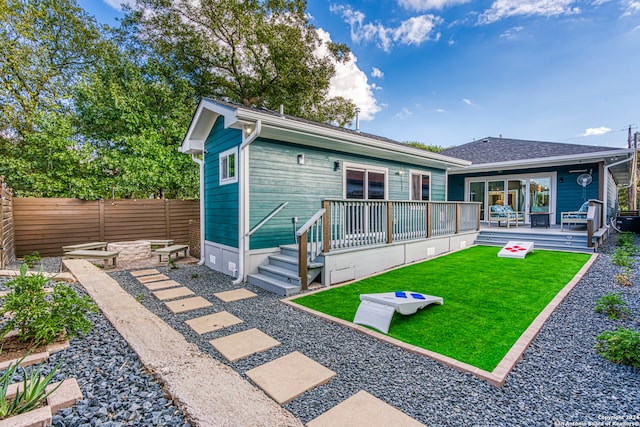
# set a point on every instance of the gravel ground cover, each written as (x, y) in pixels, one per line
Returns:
(560, 380)
(116, 389)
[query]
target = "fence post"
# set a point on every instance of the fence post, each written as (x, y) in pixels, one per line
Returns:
(167, 218)
(101, 219)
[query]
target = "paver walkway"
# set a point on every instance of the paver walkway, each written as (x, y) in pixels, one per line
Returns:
(284, 378)
(211, 393)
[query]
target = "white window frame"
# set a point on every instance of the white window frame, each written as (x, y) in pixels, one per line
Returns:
(366, 169)
(224, 156)
(419, 172)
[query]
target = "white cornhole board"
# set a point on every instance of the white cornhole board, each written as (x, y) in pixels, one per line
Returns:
(376, 310)
(515, 249)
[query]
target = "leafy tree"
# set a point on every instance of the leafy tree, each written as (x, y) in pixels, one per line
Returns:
(260, 53)
(134, 112)
(43, 46)
(420, 145)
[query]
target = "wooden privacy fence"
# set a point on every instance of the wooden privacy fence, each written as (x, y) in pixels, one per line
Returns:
(45, 225)
(7, 251)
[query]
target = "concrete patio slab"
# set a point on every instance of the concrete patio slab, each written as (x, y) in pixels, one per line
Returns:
(212, 322)
(210, 393)
(153, 278)
(147, 272)
(173, 293)
(238, 346)
(154, 286)
(187, 304)
(363, 410)
(234, 295)
(290, 376)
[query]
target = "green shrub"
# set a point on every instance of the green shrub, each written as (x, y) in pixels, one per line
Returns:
(612, 305)
(32, 394)
(41, 318)
(620, 346)
(32, 259)
(622, 258)
(626, 242)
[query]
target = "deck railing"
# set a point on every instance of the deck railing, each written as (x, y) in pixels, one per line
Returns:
(348, 224)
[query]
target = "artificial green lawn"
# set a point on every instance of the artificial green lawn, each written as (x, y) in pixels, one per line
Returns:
(488, 301)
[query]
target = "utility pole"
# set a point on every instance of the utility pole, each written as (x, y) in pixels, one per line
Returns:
(631, 192)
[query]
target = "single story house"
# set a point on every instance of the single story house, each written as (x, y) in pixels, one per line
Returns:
(538, 176)
(358, 202)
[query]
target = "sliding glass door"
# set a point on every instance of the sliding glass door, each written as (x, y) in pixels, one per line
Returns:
(527, 194)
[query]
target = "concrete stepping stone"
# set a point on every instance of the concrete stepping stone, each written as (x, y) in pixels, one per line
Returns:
(212, 322)
(187, 304)
(363, 410)
(153, 278)
(234, 295)
(147, 272)
(242, 344)
(154, 286)
(173, 293)
(289, 376)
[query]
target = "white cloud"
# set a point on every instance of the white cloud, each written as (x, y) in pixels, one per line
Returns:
(506, 8)
(375, 86)
(633, 7)
(350, 82)
(415, 30)
(595, 131)
(467, 101)
(440, 110)
(376, 73)
(405, 113)
(117, 4)
(422, 5)
(511, 33)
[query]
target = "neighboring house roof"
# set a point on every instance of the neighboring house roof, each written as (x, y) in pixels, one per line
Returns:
(281, 127)
(497, 154)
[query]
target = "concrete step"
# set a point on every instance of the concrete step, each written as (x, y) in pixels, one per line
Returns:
(283, 274)
(273, 285)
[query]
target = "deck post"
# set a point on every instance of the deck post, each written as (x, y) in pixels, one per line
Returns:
(302, 261)
(389, 222)
(326, 227)
(429, 231)
(458, 213)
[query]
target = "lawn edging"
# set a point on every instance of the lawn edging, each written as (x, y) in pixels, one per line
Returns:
(498, 376)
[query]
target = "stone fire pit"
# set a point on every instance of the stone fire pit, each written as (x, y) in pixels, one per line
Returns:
(131, 251)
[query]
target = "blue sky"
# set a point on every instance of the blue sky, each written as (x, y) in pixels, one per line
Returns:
(446, 72)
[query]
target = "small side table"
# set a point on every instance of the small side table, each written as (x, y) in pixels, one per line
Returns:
(540, 219)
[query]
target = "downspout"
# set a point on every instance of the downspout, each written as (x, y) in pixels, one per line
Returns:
(606, 187)
(242, 159)
(200, 163)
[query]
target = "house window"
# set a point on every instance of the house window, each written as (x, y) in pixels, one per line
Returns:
(365, 183)
(228, 167)
(420, 186)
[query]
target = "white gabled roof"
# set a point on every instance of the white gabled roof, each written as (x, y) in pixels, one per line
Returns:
(278, 127)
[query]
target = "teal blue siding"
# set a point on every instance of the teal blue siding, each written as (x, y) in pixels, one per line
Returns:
(276, 177)
(221, 201)
(569, 195)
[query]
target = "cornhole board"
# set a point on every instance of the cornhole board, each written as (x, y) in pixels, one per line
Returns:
(515, 249)
(376, 310)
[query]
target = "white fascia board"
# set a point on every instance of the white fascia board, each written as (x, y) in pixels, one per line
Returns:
(598, 156)
(300, 132)
(202, 122)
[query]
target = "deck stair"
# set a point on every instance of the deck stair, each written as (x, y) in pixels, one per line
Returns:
(552, 240)
(280, 275)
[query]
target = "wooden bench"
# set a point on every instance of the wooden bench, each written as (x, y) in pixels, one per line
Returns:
(92, 245)
(160, 243)
(94, 254)
(173, 249)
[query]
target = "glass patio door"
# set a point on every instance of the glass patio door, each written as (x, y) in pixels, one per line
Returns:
(477, 194)
(540, 194)
(364, 185)
(517, 195)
